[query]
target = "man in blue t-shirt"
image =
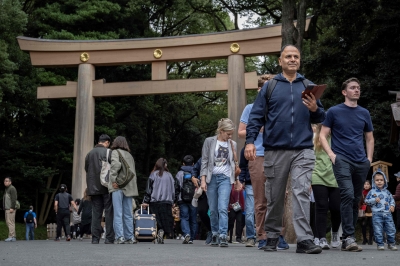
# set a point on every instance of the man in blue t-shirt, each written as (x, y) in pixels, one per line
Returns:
(347, 123)
(31, 224)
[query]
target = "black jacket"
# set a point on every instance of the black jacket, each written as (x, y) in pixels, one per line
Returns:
(93, 168)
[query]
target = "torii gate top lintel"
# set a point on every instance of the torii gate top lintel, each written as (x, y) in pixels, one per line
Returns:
(256, 41)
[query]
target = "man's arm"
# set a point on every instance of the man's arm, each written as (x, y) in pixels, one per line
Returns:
(242, 130)
(34, 220)
(324, 143)
(56, 206)
(370, 142)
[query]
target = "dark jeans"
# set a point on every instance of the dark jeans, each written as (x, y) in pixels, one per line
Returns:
(326, 198)
(85, 229)
(235, 216)
(63, 221)
(398, 219)
(350, 177)
(100, 203)
(367, 222)
(202, 210)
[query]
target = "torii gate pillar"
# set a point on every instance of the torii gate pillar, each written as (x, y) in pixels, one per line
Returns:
(84, 127)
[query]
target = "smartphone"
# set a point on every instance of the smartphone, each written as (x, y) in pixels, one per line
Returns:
(307, 91)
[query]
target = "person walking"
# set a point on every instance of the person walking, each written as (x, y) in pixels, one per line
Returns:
(217, 175)
(62, 203)
(85, 210)
(122, 196)
(348, 123)
(287, 140)
(30, 224)
(9, 207)
(101, 199)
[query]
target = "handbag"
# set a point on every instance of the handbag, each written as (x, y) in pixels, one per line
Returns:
(236, 206)
(105, 170)
(125, 174)
(237, 168)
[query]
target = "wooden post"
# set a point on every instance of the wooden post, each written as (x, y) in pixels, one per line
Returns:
(84, 127)
(236, 93)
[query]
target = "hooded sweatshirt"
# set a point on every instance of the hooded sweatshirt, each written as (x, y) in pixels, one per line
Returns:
(386, 198)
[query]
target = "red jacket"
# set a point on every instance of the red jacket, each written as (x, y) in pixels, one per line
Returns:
(236, 196)
(396, 197)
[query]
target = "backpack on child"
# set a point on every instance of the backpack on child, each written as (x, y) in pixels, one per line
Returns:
(188, 188)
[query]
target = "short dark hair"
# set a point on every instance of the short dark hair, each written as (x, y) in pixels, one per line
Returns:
(104, 138)
(31, 208)
(287, 45)
(344, 85)
(120, 143)
(63, 188)
(8, 178)
(188, 160)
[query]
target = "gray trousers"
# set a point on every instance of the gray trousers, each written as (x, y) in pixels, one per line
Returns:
(278, 164)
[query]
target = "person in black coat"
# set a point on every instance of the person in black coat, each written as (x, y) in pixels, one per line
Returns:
(101, 199)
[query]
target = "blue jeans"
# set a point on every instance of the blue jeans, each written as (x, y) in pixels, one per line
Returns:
(350, 177)
(123, 217)
(188, 215)
(29, 232)
(249, 208)
(218, 193)
(383, 223)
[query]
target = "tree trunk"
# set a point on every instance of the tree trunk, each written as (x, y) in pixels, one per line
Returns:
(48, 201)
(301, 23)
(288, 28)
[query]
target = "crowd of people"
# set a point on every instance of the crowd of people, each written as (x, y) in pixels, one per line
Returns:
(287, 136)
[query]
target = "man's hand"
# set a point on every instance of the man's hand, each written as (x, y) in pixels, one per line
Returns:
(11, 210)
(195, 181)
(115, 185)
(35, 225)
(310, 102)
(391, 208)
(377, 199)
(250, 152)
(203, 184)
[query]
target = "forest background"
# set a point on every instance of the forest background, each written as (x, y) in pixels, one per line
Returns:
(346, 38)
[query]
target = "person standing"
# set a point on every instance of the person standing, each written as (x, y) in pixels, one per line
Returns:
(287, 140)
(30, 224)
(85, 210)
(9, 206)
(101, 199)
(348, 123)
(122, 197)
(62, 203)
(396, 197)
(217, 175)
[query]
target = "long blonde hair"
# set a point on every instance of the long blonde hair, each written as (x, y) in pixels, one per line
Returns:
(317, 143)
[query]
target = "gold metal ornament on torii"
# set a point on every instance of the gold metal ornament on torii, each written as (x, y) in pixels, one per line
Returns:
(87, 54)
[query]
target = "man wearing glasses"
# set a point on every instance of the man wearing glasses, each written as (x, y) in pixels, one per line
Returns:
(348, 123)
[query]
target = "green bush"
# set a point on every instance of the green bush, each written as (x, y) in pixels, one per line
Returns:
(40, 231)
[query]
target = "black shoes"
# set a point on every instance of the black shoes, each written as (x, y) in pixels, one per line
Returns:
(307, 246)
(271, 244)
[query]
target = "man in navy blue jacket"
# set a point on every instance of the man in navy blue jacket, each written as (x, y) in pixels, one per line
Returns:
(287, 140)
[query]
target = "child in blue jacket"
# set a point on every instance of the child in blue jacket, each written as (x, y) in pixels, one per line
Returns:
(382, 204)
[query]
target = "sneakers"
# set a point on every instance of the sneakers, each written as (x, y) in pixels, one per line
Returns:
(160, 236)
(307, 246)
(349, 244)
(251, 242)
(209, 237)
(130, 241)
(10, 239)
(57, 239)
(316, 241)
(190, 242)
(282, 245)
(271, 244)
(80, 238)
(381, 248)
(186, 239)
(68, 238)
(392, 247)
(120, 240)
(239, 240)
(323, 243)
(335, 242)
(223, 243)
(262, 243)
(214, 241)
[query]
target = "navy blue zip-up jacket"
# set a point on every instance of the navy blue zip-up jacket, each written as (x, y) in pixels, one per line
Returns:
(288, 125)
(244, 176)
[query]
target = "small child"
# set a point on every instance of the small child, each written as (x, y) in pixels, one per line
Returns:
(76, 220)
(366, 219)
(382, 203)
(236, 208)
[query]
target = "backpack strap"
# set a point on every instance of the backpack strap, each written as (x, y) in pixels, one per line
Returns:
(306, 82)
(270, 88)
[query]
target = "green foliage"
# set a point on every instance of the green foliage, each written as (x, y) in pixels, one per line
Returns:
(40, 231)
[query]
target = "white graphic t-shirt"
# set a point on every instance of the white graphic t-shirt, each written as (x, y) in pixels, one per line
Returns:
(222, 164)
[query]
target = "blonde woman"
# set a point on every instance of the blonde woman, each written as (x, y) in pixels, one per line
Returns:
(217, 175)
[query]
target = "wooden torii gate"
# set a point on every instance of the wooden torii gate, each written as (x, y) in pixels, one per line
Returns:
(87, 54)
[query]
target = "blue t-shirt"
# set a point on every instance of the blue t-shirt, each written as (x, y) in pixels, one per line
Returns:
(348, 125)
(33, 213)
(259, 141)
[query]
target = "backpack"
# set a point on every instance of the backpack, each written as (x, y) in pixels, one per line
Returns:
(105, 170)
(29, 217)
(188, 188)
(270, 89)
